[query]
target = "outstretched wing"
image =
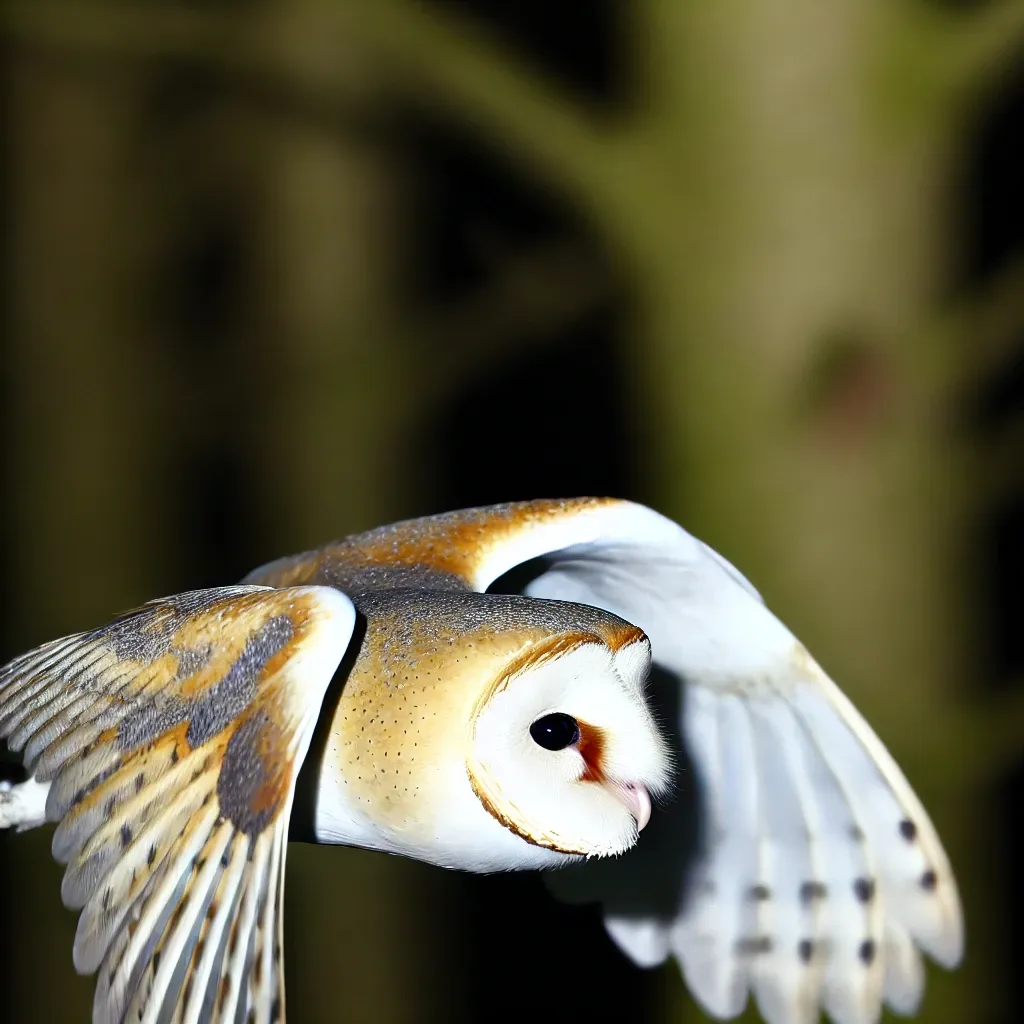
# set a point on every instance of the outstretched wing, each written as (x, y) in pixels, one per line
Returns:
(816, 871)
(796, 862)
(171, 740)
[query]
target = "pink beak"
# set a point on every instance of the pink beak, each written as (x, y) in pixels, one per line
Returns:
(636, 800)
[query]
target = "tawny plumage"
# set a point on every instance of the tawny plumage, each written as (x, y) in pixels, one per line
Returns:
(479, 731)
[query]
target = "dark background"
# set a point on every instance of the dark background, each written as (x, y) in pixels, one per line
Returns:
(200, 375)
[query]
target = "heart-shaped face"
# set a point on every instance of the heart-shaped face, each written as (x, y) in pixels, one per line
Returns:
(564, 751)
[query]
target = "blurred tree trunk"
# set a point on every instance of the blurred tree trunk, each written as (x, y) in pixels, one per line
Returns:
(796, 401)
(325, 262)
(363, 929)
(84, 494)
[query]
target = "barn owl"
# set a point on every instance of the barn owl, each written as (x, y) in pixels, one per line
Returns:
(432, 716)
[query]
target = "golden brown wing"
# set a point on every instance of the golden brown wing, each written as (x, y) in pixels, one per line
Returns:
(463, 550)
(172, 738)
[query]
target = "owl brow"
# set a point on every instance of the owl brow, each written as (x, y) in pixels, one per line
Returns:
(539, 654)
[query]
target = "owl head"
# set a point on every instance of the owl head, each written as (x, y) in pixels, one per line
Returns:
(563, 751)
(493, 732)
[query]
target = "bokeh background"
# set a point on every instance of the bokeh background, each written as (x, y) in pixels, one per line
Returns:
(279, 271)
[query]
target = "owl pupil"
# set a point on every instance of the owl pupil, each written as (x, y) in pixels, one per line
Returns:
(555, 731)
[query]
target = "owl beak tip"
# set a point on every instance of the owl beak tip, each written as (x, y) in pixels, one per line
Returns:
(636, 800)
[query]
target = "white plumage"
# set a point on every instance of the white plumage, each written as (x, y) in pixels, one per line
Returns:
(805, 881)
(482, 732)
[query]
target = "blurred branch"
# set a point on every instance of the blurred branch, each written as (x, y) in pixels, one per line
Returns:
(532, 297)
(108, 30)
(964, 50)
(979, 50)
(938, 60)
(106, 27)
(254, 50)
(453, 68)
(458, 69)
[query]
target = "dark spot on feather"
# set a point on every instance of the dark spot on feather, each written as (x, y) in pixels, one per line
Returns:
(174, 755)
(908, 830)
(864, 889)
(275, 1009)
(867, 952)
(856, 834)
(140, 781)
(156, 961)
(107, 895)
(126, 835)
(150, 720)
(753, 946)
(255, 775)
(805, 950)
(223, 702)
(151, 856)
(929, 880)
(760, 893)
(111, 803)
(811, 891)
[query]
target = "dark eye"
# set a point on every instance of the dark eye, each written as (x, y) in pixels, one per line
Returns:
(555, 731)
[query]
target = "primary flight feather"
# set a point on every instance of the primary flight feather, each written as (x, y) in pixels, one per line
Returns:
(480, 731)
